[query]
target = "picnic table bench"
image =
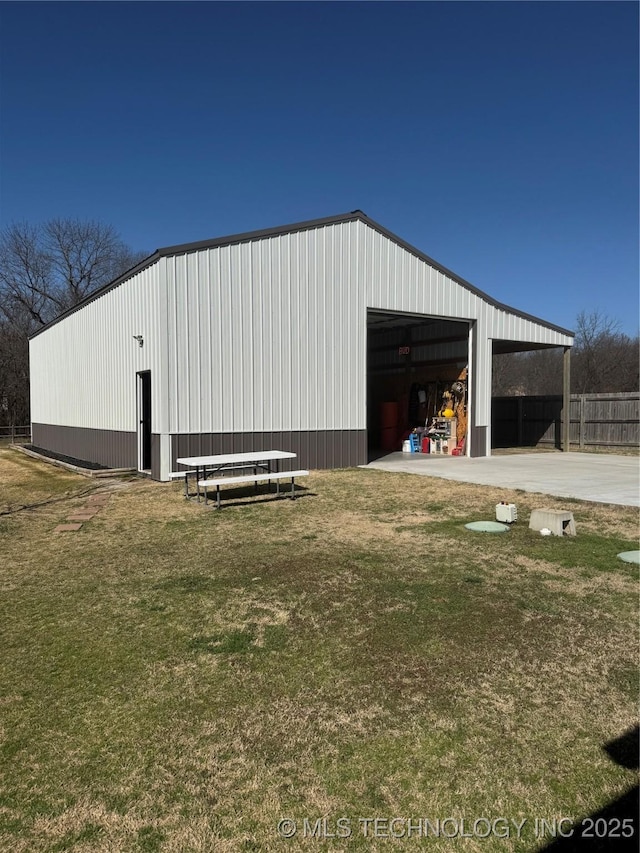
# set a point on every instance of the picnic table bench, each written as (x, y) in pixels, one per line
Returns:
(251, 478)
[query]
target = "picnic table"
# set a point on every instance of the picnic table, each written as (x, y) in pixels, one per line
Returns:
(214, 470)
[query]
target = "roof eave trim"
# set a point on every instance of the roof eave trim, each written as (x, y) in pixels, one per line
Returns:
(264, 233)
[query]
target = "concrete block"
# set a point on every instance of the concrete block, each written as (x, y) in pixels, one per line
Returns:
(559, 522)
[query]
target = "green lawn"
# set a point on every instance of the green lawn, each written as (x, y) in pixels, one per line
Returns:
(180, 679)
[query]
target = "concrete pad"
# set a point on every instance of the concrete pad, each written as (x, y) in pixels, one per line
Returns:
(64, 528)
(598, 477)
(81, 516)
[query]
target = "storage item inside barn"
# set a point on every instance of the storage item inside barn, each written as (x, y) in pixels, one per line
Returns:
(389, 416)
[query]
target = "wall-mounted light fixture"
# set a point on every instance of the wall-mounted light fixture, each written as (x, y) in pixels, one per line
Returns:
(140, 339)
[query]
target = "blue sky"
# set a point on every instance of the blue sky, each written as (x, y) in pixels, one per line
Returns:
(499, 138)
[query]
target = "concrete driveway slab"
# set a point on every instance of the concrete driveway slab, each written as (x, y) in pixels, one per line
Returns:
(602, 477)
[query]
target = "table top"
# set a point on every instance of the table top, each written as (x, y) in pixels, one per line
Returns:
(231, 458)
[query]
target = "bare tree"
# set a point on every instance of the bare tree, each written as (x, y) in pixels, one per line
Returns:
(604, 359)
(24, 274)
(14, 375)
(44, 270)
(526, 373)
(507, 378)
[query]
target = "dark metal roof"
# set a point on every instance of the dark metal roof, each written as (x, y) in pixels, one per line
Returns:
(249, 236)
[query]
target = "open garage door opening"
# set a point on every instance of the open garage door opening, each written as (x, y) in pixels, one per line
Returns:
(521, 418)
(417, 370)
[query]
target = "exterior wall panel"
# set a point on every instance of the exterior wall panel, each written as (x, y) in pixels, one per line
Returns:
(156, 470)
(83, 369)
(110, 448)
(269, 335)
(315, 449)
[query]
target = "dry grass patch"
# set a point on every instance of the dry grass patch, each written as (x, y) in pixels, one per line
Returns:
(179, 679)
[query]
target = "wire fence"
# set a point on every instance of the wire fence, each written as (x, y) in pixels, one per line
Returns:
(15, 434)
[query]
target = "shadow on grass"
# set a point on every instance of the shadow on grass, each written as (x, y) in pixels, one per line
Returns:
(240, 496)
(615, 827)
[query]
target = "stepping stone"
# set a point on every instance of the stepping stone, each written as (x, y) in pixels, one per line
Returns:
(559, 522)
(63, 528)
(81, 516)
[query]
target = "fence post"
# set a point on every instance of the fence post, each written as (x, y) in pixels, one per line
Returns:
(13, 433)
(566, 399)
(581, 427)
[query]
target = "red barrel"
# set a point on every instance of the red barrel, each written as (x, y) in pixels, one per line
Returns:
(388, 415)
(389, 426)
(389, 438)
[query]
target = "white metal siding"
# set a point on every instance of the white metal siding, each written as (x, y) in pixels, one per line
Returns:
(83, 369)
(269, 335)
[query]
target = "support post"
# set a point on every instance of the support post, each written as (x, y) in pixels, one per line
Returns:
(566, 399)
(520, 419)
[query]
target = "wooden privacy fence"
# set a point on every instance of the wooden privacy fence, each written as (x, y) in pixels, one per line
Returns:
(605, 420)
